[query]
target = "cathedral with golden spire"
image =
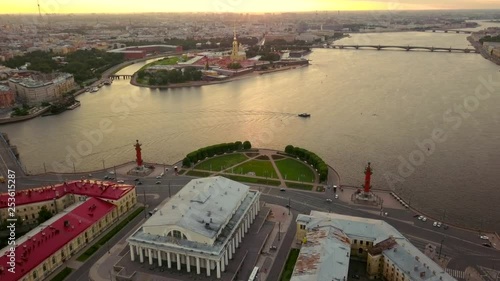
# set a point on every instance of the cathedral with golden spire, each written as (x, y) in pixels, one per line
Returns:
(237, 53)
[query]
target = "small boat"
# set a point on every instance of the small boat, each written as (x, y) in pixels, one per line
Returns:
(100, 85)
(304, 115)
(107, 82)
(94, 89)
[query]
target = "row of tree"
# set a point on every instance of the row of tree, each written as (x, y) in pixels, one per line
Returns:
(213, 150)
(165, 77)
(311, 158)
(489, 38)
(83, 64)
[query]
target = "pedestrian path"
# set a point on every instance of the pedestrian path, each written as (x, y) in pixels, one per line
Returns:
(458, 274)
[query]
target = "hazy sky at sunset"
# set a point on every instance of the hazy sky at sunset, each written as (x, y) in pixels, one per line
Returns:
(240, 6)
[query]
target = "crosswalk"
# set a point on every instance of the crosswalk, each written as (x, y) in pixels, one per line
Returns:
(459, 274)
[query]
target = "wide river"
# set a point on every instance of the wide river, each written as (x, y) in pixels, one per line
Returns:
(427, 121)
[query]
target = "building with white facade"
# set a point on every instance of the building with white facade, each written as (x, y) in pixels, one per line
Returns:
(200, 227)
(330, 241)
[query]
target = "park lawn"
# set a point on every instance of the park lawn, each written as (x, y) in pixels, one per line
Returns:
(164, 61)
(290, 264)
(295, 170)
(252, 180)
(221, 162)
(259, 167)
(299, 185)
(199, 174)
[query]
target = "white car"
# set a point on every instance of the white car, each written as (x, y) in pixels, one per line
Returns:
(420, 217)
(439, 224)
(329, 200)
(435, 223)
(424, 219)
(158, 177)
(484, 237)
(120, 181)
(336, 196)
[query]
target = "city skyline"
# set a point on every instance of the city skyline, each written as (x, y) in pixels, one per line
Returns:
(237, 6)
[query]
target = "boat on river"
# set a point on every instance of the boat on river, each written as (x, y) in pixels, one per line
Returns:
(305, 115)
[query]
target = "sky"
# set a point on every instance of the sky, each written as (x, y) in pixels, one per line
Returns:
(237, 6)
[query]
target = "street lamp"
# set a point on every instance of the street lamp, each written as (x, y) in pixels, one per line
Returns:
(440, 248)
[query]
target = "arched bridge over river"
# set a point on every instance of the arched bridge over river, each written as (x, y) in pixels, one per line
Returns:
(405, 48)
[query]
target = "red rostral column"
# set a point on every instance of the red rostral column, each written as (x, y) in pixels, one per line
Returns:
(138, 153)
(368, 173)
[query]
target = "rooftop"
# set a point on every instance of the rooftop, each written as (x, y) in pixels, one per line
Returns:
(324, 256)
(105, 190)
(386, 239)
(203, 206)
(39, 79)
(35, 249)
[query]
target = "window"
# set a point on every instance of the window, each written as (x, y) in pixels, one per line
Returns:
(44, 267)
(53, 260)
(34, 274)
(302, 226)
(360, 242)
(360, 250)
(355, 241)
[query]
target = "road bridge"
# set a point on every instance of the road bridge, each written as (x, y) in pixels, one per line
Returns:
(120, 76)
(401, 47)
(450, 31)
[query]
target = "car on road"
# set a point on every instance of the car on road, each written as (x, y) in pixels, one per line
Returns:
(416, 216)
(137, 179)
(424, 219)
(336, 196)
(111, 173)
(445, 226)
(484, 237)
(158, 177)
(439, 224)
(106, 177)
(139, 183)
(355, 276)
(158, 182)
(282, 189)
(120, 181)
(435, 224)
(420, 217)
(487, 245)
(328, 200)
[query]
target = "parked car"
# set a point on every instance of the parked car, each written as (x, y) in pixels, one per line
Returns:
(435, 224)
(158, 182)
(328, 200)
(282, 189)
(139, 183)
(424, 219)
(120, 181)
(158, 177)
(420, 217)
(336, 196)
(137, 179)
(484, 237)
(487, 245)
(439, 224)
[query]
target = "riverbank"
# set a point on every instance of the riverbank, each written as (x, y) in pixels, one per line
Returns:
(134, 82)
(26, 117)
(484, 53)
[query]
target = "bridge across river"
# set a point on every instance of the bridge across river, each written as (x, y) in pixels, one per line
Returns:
(120, 76)
(406, 48)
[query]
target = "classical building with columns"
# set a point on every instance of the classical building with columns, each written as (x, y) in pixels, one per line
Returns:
(199, 228)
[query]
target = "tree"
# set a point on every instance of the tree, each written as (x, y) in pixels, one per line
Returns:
(239, 145)
(289, 149)
(43, 215)
(247, 145)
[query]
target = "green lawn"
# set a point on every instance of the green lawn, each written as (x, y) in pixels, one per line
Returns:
(295, 170)
(252, 180)
(290, 264)
(62, 275)
(164, 61)
(259, 167)
(299, 185)
(224, 161)
(198, 174)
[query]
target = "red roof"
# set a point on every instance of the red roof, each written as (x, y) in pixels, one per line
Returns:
(49, 240)
(106, 190)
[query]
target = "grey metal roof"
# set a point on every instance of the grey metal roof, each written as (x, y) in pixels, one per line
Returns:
(404, 255)
(325, 255)
(203, 206)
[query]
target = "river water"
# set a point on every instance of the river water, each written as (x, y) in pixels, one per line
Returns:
(413, 115)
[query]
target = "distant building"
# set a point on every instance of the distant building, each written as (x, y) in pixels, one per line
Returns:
(83, 211)
(237, 52)
(7, 96)
(200, 227)
(40, 87)
(330, 241)
(139, 52)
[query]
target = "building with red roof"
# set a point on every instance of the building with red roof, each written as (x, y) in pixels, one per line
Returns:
(83, 209)
(37, 254)
(57, 197)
